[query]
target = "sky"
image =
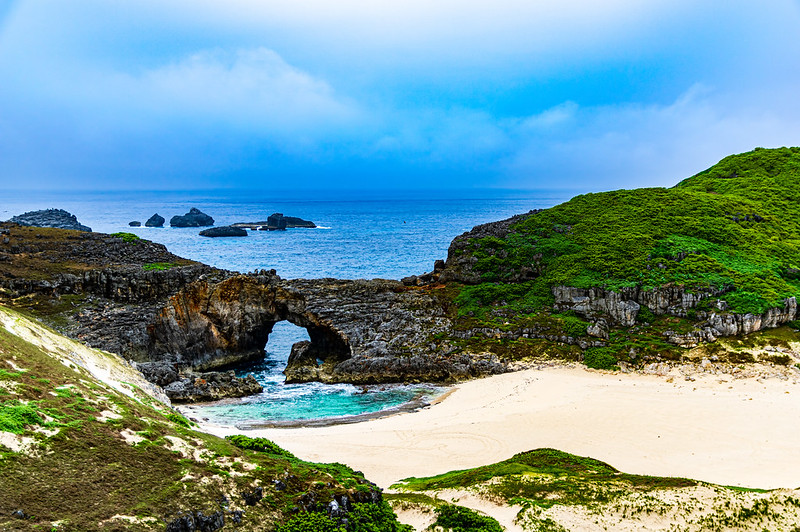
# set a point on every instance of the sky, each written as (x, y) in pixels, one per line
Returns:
(370, 94)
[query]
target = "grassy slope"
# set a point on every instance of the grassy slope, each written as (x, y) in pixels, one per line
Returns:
(77, 452)
(637, 237)
(554, 490)
(734, 227)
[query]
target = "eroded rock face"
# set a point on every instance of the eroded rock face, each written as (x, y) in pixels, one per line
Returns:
(360, 331)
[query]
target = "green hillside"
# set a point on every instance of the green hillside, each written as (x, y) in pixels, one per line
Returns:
(554, 491)
(735, 226)
(81, 454)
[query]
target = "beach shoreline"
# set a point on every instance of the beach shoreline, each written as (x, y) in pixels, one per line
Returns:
(708, 426)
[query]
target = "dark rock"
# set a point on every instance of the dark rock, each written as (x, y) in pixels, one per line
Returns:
(211, 386)
(57, 218)
(276, 222)
(251, 498)
(135, 224)
(193, 218)
(279, 486)
(438, 265)
(223, 231)
(155, 221)
(196, 521)
(161, 373)
(411, 280)
(236, 516)
(19, 514)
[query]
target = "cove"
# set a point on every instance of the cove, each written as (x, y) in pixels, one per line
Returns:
(305, 404)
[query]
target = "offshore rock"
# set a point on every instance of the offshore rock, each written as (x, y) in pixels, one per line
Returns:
(224, 231)
(155, 221)
(135, 224)
(57, 218)
(277, 222)
(211, 386)
(194, 218)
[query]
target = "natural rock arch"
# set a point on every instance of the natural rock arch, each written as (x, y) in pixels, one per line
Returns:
(210, 325)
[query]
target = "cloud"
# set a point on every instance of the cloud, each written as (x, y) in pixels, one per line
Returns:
(255, 89)
(629, 145)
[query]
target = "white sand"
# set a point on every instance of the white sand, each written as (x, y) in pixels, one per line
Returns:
(742, 432)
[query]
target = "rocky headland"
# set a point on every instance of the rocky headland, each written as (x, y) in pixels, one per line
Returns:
(58, 218)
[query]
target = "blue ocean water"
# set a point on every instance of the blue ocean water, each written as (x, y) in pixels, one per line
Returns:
(358, 237)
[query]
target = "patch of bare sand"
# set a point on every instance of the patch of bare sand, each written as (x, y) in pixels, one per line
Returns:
(743, 432)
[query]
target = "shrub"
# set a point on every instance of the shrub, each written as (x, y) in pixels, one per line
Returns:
(261, 445)
(645, 315)
(460, 519)
(179, 419)
(600, 358)
(129, 238)
(15, 416)
(311, 522)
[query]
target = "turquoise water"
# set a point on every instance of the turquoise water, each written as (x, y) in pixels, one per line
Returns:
(367, 237)
(284, 404)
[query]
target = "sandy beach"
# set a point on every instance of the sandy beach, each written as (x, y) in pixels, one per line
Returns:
(716, 428)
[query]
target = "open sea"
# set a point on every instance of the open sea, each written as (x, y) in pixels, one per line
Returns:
(357, 237)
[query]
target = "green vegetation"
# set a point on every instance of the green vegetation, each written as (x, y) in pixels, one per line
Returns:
(545, 477)
(15, 416)
(453, 518)
(261, 445)
(128, 238)
(734, 227)
(600, 358)
(158, 266)
(732, 230)
(81, 453)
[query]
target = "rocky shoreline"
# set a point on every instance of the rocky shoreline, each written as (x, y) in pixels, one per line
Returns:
(185, 323)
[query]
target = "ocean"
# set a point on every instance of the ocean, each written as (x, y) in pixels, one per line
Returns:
(358, 236)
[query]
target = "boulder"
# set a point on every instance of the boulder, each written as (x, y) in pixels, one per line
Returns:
(226, 230)
(211, 386)
(194, 218)
(135, 224)
(58, 218)
(155, 221)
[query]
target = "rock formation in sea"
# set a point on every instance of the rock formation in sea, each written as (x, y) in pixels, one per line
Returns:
(135, 224)
(194, 218)
(58, 218)
(277, 222)
(155, 221)
(224, 231)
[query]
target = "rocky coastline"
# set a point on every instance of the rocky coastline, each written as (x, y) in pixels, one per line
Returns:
(482, 311)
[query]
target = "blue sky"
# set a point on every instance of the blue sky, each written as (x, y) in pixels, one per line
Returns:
(367, 94)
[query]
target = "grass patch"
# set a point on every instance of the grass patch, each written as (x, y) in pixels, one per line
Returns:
(128, 238)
